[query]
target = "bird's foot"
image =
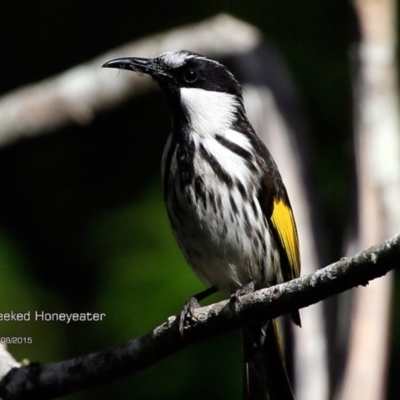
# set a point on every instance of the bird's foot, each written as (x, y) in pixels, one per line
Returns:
(187, 313)
(235, 302)
(191, 304)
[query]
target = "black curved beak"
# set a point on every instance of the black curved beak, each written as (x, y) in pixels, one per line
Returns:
(144, 65)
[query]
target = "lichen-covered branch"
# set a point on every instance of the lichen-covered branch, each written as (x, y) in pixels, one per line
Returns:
(57, 379)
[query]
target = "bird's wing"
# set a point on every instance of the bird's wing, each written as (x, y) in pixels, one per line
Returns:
(283, 223)
(276, 208)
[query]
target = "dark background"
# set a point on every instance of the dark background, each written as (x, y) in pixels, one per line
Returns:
(82, 224)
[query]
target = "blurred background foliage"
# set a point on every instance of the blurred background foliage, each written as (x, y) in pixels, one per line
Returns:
(82, 224)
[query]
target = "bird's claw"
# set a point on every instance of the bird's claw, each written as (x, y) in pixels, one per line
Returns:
(235, 302)
(187, 313)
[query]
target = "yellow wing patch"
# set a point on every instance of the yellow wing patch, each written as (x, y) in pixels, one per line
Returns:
(283, 220)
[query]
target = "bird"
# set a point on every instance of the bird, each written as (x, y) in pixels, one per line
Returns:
(226, 201)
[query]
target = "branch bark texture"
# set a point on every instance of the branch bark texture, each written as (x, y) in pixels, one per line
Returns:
(58, 379)
(377, 146)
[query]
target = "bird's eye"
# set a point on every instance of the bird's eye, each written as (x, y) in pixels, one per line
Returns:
(190, 76)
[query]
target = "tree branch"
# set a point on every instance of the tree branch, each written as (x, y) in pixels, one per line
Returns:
(57, 379)
(377, 155)
(77, 95)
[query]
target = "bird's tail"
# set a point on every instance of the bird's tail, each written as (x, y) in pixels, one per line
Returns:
(265, 376)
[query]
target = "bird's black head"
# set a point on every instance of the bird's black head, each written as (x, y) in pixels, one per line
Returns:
(174, 70)
(201, 91)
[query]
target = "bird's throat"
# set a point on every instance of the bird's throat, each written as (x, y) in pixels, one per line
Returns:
(208, 113)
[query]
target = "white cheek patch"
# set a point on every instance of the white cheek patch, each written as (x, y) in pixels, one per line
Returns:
(208, 112)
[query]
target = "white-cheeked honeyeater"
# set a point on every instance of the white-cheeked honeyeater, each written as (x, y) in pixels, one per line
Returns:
(227, 205)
